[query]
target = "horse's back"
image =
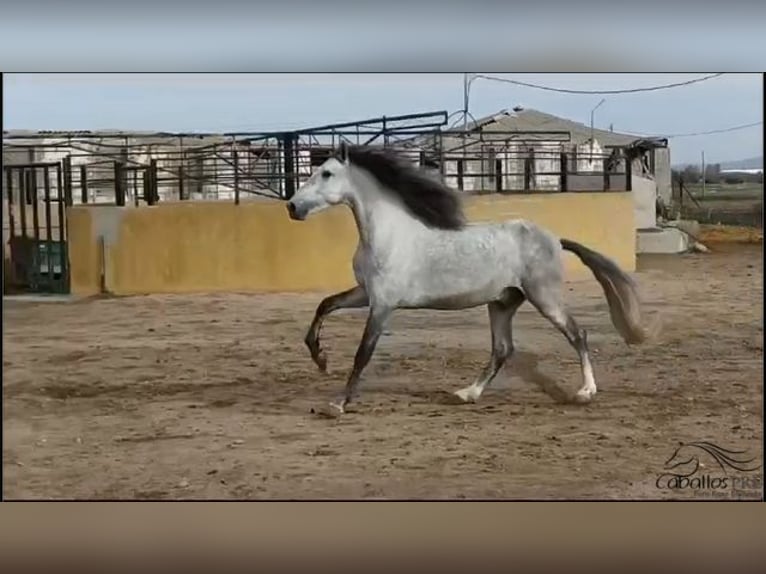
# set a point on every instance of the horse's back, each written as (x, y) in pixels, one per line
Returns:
(524, 234)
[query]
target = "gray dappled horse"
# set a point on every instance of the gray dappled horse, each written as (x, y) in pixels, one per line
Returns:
(417, 252)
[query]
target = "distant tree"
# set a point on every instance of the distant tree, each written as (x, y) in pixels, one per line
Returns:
(691, 174)
(713, 173)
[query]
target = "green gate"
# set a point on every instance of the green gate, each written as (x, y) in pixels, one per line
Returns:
(36, 254)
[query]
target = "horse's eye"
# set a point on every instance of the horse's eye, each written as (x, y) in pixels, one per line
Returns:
(326, 174)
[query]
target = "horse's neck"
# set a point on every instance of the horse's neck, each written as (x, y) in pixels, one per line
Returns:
(383, 225)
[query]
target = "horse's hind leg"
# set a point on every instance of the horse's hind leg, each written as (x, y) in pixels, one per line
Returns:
(500, 317)
(353, 298)
(549, 302)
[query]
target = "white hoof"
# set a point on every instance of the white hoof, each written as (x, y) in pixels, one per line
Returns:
(585, 395)
(339, 407)
(469, 394)
(330, 410)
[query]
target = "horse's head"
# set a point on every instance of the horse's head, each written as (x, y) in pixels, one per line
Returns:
(329, 185)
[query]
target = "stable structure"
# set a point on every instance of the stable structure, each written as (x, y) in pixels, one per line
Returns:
(519, 151)
(531, 151)
(522, 153)
(124, 168)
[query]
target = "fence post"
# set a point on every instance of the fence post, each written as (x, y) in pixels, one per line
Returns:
(32, 193)
(119, 188)
(680, 192)
(564, 163)
(289, 172)
(527, 173)
(67, 163)
(84, 183)
(48, 217)
(64, 183)
(9, 192)
(23, 200)
(181, 191)
(235, 157)
(154, 194)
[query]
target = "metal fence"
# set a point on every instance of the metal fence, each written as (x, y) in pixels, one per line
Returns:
(46, 172)
(240, 166)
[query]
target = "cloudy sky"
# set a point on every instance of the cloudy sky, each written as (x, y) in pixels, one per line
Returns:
(241, 102)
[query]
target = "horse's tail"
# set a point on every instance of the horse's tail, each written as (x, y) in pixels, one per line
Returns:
(619, 288)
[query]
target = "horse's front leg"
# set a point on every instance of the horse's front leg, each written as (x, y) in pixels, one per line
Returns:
(372, 331)
(353, 298)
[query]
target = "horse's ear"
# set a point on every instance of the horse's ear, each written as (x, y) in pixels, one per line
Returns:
(343, 152)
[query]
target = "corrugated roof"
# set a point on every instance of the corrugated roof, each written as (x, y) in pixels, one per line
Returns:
(75, 133)
(532, 120)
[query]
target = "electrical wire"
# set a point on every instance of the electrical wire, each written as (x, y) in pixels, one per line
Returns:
(597, 92)
(692, 134)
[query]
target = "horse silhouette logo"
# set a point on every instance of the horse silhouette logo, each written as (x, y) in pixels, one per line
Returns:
(685, 463)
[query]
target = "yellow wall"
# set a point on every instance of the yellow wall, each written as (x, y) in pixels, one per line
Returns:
(254, 246)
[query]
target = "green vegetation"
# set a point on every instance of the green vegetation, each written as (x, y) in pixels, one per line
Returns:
(726, 192)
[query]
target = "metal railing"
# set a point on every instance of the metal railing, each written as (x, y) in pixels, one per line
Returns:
(237, 167)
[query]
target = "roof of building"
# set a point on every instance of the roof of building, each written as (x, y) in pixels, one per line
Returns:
(516, 120)
(534, 120)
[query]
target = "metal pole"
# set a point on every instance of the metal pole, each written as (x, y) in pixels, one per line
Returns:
(236, 176)
(466, 89)
(181, 192)
(48, 224)
(84, 183)
(9, 187)
(467, 79)
(64, 199)
(67, 166)
(23, 200)
(119, 190)
(592, 112)
(703, 174)
(154, 192)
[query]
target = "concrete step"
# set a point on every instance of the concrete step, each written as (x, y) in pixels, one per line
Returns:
(662, 240)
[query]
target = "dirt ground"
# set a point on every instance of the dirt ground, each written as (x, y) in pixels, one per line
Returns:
(210, 396)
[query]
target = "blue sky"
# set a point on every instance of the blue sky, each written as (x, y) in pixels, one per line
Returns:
(240, 102)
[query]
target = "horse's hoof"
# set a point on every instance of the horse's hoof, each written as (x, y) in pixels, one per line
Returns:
(584, 396)
(467, 395)
(321, 361)
(339, 407)
(329, 410)
(318, 356)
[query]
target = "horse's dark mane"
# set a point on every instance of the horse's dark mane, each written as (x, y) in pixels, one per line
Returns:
(425, 197)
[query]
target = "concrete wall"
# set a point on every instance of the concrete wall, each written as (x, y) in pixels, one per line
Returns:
(663, 174)
(645, 199)
(194, 247)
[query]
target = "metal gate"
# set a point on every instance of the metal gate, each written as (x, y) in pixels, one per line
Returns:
(34, 228)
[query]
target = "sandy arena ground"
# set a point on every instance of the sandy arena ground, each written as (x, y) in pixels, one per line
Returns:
(178, 397)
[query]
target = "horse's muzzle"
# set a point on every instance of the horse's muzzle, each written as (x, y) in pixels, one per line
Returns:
(294, 212)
